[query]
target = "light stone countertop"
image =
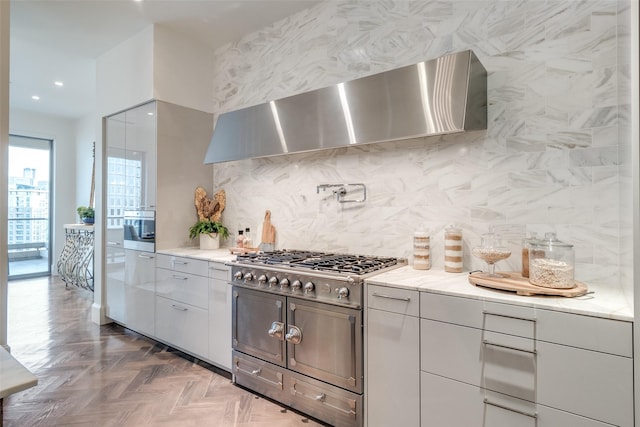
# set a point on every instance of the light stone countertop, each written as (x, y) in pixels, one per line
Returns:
(602, 301)
(13, 376)
(219, 255)
(606, 302)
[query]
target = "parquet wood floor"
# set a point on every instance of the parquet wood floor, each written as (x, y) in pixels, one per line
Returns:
(91, 375)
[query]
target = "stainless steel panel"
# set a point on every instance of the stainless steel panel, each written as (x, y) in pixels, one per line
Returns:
(253, 315)
(325, 342)
(443, 95)
(333, 405)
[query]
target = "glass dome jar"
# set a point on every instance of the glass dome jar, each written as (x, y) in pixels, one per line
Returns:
(551, 263)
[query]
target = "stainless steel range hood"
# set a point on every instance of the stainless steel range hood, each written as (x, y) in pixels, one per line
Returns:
(439, 96)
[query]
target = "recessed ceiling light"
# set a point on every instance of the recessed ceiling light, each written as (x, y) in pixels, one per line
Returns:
(149, 113)
(58, 83)
(35, 97)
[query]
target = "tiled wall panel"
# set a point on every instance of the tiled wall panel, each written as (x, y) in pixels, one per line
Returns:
(549, 160)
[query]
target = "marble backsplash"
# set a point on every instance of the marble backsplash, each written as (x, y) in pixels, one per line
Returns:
(548, 161)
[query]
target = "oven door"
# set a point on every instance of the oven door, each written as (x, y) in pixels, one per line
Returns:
(258, 324)
(325, 342)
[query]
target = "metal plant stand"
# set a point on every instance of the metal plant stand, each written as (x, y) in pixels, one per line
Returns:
(75, 265)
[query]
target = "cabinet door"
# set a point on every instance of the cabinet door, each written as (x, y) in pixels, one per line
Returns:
(139, 291)
(393, 386)
(219, 316)
(114, 279)
(141, 155)
(182, 325)
(113, 213)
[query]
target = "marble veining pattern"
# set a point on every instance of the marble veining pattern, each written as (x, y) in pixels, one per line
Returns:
(547, 162)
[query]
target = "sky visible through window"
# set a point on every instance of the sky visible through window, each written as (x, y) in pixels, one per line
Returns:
(21, 158)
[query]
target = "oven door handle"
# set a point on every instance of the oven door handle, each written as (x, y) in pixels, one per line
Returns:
(294, 336)
(277, 328)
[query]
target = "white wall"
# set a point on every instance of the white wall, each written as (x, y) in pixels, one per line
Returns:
(182, 70)
(547, 162)
(63, 134)
(85, 137)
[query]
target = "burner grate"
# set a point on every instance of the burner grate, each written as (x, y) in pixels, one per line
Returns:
(319, 261)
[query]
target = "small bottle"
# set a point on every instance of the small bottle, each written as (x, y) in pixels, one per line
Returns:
(526, 245)
(453, 250)
(421, 250)
(247, 242)
(240, 239)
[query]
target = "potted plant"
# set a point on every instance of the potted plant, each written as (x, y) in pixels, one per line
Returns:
(87, 214)
(209, 233)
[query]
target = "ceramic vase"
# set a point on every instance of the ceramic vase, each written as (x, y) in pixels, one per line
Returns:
(209, 241)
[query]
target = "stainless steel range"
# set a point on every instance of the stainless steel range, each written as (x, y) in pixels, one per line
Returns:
(298, 332)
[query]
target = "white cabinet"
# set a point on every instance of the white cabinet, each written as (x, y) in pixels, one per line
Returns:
(139, 291)
(504, 365)
(220, 315)
(393, 348)
(154, 161)
(182, 304)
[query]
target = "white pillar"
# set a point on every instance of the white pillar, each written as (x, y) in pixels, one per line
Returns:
(4, 152)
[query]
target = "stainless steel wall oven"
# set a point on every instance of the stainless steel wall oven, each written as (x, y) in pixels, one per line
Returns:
(298, 332)
(139, 228)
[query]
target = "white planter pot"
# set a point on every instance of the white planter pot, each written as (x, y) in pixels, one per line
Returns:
(209, 241)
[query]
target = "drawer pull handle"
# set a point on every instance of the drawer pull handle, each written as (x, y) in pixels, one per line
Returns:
(114, 243)
(256, 371)
(180, 262)
(506, 408)
(508, 316)
(320, 397)
(179, 308)
(145, 256)
(218, 269)
(485, 342)
(180, 277)
(375, 294)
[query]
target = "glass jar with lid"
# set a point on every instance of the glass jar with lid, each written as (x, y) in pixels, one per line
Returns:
(551, 263)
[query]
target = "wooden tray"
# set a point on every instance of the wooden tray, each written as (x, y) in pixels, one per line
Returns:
(520, 285)
(236, 251)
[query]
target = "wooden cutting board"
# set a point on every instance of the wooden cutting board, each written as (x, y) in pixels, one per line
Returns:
(520, 285)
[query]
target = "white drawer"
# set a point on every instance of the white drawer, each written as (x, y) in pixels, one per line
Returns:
(183, 264)
(590, 383)
(218, 270)
(183, 287)
(592, 333)
(498, 362)
(183, 326)
(461, 311)
(396, 300)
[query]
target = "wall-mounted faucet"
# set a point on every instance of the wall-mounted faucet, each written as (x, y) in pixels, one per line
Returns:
(340, 191)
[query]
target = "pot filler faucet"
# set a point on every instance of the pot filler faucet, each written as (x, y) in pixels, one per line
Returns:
(340, 191)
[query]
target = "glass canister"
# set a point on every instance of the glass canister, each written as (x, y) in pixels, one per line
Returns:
(453, 262)
(421, 250)
(551, 263)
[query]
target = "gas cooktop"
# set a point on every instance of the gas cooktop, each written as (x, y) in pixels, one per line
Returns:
(320, 261)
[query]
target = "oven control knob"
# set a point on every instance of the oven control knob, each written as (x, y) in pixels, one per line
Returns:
(273, 281)
(262, 279)
(297, 285)
(284, 283)
(351, 280)
(309, 287)
(238, 275)
(343, 293)
(248, 277)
